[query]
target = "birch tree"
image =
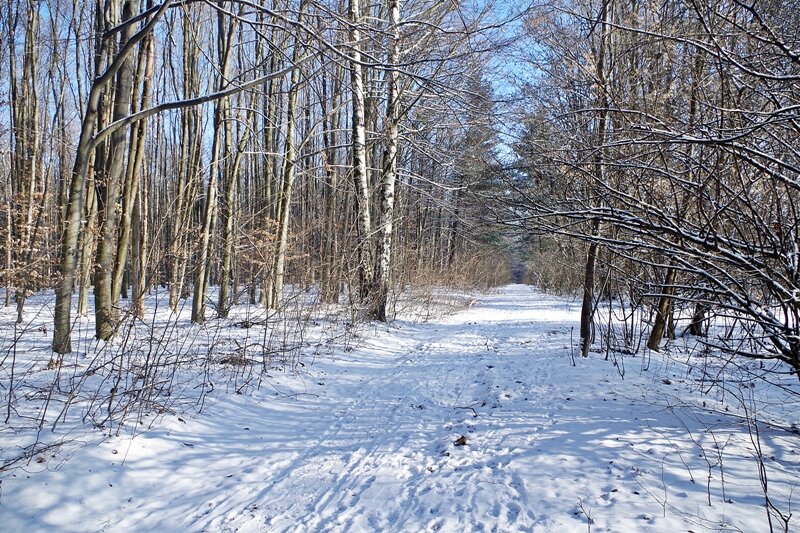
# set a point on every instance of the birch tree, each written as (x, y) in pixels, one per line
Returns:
(389, 170)
(359, 143)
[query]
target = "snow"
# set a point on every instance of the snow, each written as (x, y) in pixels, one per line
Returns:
(365, 437)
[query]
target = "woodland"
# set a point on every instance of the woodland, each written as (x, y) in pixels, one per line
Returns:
(342, 161)
(648, 148)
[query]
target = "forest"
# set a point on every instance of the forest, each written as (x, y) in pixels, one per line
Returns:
(215, 191)
(239, 145)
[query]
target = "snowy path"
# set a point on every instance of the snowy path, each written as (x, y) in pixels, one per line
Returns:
(386, 460)
(366, 442)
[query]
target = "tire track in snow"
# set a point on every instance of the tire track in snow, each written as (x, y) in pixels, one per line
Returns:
(387, 460)
(393, 448)
(445, 491)
(298, 474)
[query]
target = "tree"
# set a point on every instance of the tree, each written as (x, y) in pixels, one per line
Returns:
(196, 129)
(288, 170)
(389, 170)
(702, 149)
(359, 142)
(86, 143)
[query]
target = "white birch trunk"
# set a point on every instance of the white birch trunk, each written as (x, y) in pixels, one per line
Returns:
(360, 173)
(389, 172)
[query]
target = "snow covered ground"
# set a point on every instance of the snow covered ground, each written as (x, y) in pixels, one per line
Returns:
(478, 421)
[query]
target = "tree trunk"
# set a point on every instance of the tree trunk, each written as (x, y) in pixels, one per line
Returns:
(663, 311)
(287, 171)
(108, 193)
(144, 74)
(454, 229)
(699, 324)
(389, 174)
(271, 174)
(25, 162)
(360, 172)
(189, 165)
(229, 217)
(229, 186)
(225, 33)
(87, 247)
(72, 214)
(329, 282)
(587, 307)
(139, 250)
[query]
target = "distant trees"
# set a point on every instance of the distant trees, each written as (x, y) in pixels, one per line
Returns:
(24, 209)
(209, 146)
(674, 153)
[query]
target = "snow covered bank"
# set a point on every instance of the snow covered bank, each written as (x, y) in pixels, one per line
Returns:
(478, 421)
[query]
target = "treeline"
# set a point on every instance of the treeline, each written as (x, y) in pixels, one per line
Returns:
(240, 144)
(662, 149)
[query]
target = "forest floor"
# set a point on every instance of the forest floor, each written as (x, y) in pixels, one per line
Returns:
(484, 420)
